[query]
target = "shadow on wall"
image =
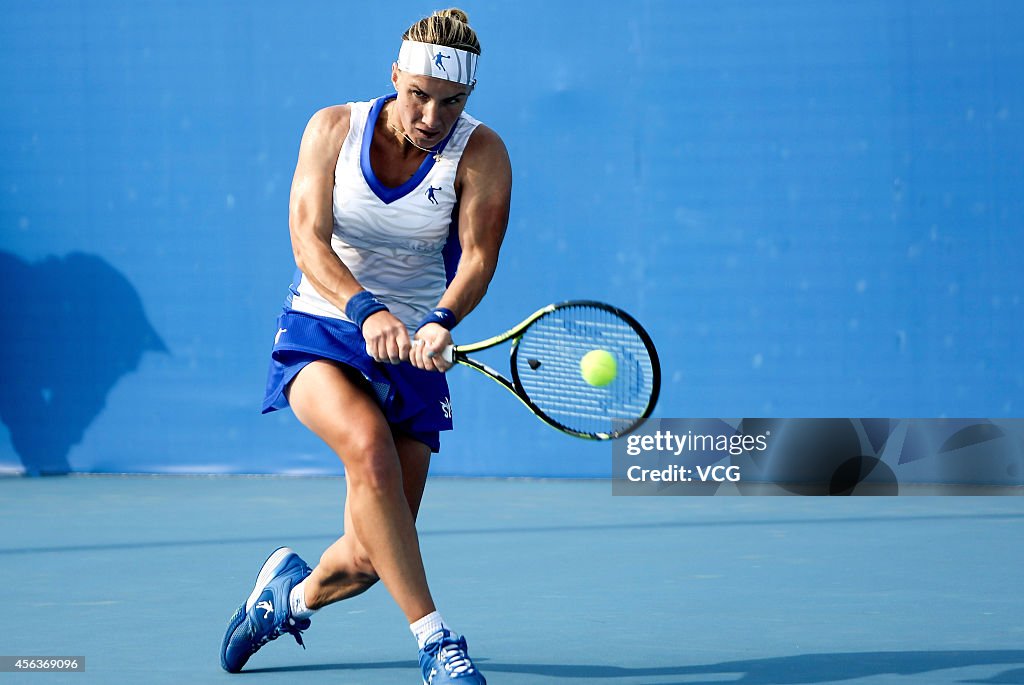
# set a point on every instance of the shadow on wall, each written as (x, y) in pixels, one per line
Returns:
(72, 327)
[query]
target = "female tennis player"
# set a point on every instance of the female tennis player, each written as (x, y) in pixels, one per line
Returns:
(379, 189)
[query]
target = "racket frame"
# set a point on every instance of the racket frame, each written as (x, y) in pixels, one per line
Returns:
(459, 355)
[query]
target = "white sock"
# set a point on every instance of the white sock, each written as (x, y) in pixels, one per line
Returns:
(297, 602)
(426, 627)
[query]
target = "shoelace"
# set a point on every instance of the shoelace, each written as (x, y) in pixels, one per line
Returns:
(290, 626)
(452, 655)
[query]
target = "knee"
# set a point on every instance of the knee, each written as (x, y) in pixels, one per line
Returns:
(372, 464)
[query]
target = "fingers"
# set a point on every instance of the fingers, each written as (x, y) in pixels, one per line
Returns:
(429, 346)
(437, 356)
(423, 358)
(398, 347)
(387, 340)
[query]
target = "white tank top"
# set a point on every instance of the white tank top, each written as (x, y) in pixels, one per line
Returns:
(391, 239)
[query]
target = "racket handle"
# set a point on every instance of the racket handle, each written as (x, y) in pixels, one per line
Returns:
(448, 352)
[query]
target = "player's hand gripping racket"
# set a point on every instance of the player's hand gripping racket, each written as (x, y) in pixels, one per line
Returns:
(584, 367)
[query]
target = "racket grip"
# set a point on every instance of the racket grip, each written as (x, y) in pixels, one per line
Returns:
(448, 352)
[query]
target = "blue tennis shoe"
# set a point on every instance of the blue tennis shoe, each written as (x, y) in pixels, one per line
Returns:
(445, 659)
(265, 615)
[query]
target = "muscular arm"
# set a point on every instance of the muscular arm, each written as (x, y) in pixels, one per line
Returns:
(484, 183)
(484, 201)
(311, 223)
(310, 214)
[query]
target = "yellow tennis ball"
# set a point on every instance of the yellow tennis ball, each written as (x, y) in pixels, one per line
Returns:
(598, 368)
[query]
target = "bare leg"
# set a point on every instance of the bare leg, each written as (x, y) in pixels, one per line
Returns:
(379, 518)
(345, 569)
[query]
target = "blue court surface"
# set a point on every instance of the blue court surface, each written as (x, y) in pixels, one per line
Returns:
(553, 581)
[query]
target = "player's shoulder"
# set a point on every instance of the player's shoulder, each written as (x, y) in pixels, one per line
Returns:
(485, 137)
(330, 120)
(486, 146)
(485, 168)
(325, 134)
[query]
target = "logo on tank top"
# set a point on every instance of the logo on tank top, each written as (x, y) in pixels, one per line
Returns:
(429, 192)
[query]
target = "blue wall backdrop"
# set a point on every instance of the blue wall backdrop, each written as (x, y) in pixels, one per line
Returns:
(815, 207)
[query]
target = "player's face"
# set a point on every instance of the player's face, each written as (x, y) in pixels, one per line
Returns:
(427, 107)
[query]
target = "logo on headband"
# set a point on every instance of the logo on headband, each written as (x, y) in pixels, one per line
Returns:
(438, 60)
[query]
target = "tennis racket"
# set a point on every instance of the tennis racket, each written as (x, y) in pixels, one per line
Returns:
(545, 374)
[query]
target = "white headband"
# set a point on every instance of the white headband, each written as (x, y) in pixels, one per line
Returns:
(439, 61)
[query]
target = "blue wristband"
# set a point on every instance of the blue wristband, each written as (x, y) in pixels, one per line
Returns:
(441, 316)
(362, 306)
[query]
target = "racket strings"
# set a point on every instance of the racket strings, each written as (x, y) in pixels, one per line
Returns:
(548, 369)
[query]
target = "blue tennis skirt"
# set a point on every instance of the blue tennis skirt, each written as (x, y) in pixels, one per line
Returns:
(414, 402)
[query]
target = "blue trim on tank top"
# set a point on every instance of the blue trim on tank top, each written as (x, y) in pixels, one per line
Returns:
(387, 194)
(293, 287)
(451, 253)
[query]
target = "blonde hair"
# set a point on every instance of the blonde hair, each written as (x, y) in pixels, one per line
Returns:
(449, 28)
